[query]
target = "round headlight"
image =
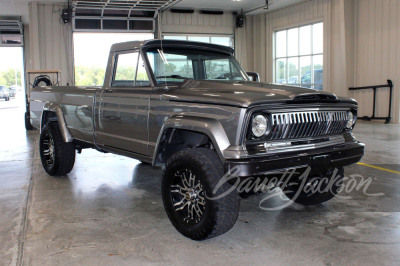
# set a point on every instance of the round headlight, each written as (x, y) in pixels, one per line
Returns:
(259, 125)
(350, 119)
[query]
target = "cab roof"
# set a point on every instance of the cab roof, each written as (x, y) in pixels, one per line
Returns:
(170, 43)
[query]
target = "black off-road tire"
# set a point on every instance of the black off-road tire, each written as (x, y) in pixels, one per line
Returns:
(28, 125)
(63, 155)
(327, 190)
(220, 214)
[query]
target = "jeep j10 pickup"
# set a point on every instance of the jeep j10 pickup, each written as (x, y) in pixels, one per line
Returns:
(191, 108)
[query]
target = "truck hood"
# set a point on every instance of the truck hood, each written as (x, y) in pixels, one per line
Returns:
(244, 93)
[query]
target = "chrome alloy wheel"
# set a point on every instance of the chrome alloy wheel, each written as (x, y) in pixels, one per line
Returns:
(187, 196)
(49, 150)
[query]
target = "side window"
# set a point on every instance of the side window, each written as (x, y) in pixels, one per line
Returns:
(125, 70)
(221, 69)
(142, 79)
(217, 69)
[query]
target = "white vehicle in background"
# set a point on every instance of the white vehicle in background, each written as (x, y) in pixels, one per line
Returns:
(4, 93)
(13, 90)
(293, 80)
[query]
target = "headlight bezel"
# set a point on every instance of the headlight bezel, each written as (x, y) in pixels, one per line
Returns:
(351, 123)
(266, 130)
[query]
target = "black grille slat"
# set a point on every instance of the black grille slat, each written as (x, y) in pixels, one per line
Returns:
(306, 124)
(298, 125)
(315, 126)
(337, 123)
(320, 124)
(309, 124)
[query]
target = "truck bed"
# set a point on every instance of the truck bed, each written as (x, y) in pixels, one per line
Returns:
(76, 104)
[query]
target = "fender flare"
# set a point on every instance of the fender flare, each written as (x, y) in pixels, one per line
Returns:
(207, 126)
(56, 109)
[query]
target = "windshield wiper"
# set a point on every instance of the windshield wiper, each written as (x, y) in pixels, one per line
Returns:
(173, 77)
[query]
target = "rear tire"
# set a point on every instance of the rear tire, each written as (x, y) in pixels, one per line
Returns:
(187, 188)
(28, 125)
(58, 157)
(319, 189)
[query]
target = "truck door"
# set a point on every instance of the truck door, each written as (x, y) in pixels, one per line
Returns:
(121, 113)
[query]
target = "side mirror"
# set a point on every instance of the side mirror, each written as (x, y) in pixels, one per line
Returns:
(254, 76)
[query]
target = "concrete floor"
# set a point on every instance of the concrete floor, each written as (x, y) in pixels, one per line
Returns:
(108, 211)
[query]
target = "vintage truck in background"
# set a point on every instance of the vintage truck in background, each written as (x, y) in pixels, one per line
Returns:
(191, 108)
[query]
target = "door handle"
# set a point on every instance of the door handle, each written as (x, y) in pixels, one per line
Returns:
(106, 91)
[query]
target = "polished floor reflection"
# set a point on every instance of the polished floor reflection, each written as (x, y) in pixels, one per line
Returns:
(109, 211)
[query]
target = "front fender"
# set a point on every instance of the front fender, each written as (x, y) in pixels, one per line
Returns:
(210, 127)
(56, 109)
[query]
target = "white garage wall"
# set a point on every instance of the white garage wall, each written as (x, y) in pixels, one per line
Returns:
(197, 23)
(361, 39)
(49, 41)
(377, 53)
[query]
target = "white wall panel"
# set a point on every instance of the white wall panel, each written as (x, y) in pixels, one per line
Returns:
(197, 23)
(50, 41)
(377, 53)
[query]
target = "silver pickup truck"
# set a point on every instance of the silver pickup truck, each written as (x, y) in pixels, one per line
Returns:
(191, 108)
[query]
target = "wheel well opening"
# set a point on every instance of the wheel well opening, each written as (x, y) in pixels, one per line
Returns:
(47, 117)
(174, 140)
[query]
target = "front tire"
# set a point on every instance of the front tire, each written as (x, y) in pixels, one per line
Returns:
(57, 156)
(188, 190)
(316, 189)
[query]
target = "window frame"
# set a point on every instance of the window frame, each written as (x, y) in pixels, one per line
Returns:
(156, 83)
(145, 62)
(115, 66)
(298, 56)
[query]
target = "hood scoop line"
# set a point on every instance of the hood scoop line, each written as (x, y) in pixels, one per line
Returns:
(315, 97)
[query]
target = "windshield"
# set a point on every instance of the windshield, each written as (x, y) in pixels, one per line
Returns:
(177, 65)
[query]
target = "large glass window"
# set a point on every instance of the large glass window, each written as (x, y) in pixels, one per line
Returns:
(299, 56)
(91, 52)
(220, 40)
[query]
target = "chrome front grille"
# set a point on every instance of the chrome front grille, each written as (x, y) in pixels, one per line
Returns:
(307, 124)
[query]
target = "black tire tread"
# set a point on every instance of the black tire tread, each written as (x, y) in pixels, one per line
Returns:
(227, 206)
(65, 152)
(28, 125)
